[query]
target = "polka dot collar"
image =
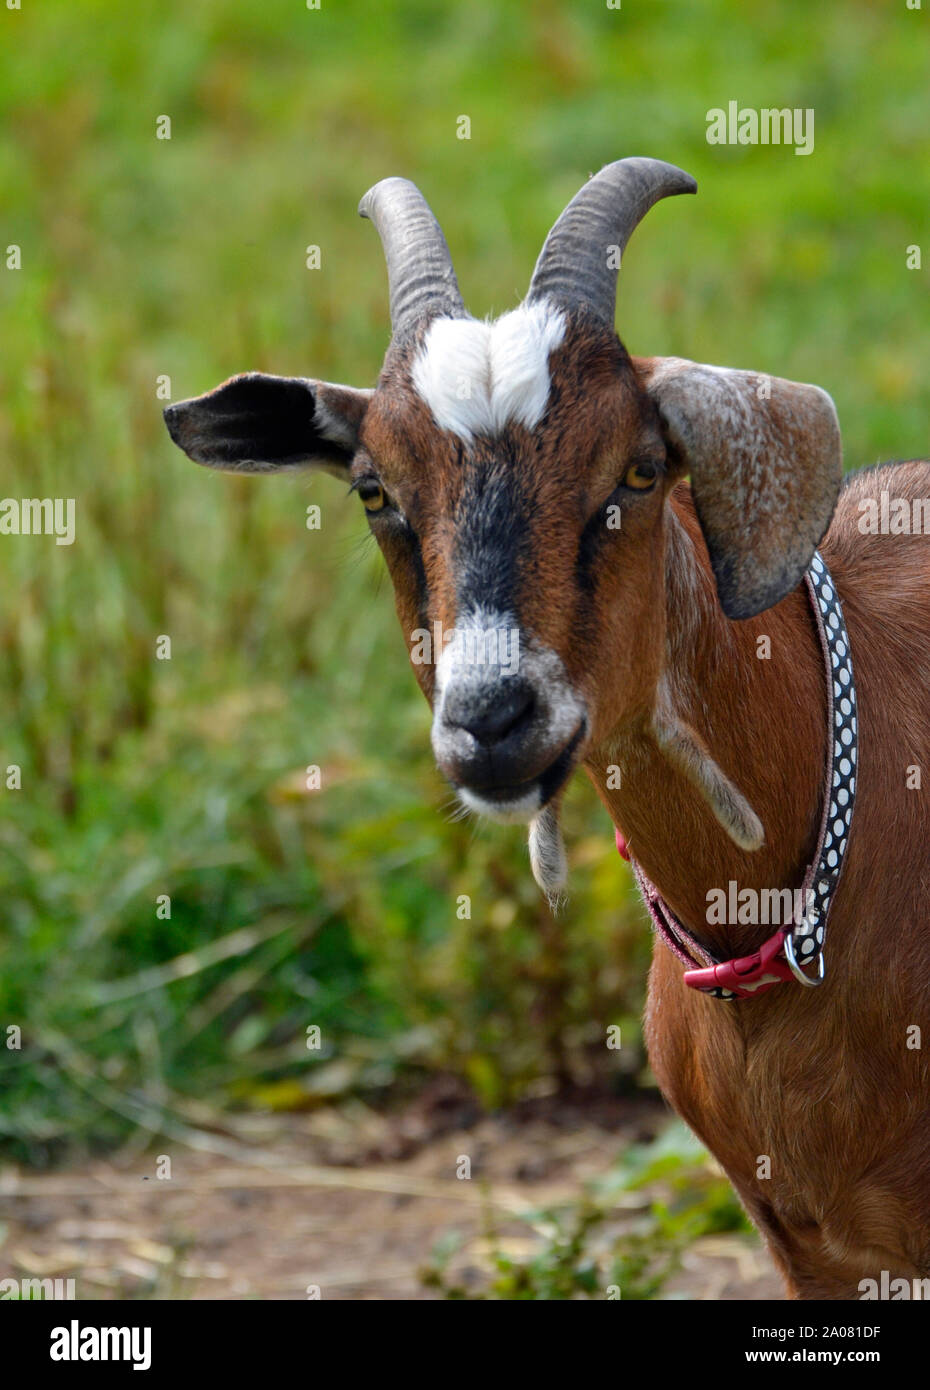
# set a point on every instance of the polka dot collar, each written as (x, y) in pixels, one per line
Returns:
(794, 947)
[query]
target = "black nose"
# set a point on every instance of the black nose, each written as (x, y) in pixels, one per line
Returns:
(493, 715)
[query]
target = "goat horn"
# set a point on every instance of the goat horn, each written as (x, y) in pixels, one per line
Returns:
(576, 267)
(420, 274)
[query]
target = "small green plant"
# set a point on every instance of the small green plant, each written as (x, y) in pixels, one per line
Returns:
(599, 1247)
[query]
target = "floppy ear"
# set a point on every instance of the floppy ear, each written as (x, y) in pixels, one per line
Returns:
(765, 461)
(259, 424)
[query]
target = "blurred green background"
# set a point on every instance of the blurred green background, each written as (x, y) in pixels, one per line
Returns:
(186, 258)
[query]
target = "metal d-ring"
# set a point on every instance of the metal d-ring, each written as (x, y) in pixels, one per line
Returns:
(797, 972)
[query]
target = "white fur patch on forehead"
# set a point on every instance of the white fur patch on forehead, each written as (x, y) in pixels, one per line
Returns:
(477, 377)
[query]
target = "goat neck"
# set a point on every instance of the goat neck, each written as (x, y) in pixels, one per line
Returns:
(736, 733)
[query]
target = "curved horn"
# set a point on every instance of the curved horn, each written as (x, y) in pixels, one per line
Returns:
(574, 266)
(420, 275)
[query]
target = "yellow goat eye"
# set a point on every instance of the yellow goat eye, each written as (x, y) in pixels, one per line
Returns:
(372, 495)
(640, 476)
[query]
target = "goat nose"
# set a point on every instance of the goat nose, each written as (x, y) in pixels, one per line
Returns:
(490, 717)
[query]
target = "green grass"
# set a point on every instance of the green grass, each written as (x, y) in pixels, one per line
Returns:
(186, 258)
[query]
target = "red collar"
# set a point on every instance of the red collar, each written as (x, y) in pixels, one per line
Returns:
(795, 944)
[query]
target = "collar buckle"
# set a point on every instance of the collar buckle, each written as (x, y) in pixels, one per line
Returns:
(747, 976)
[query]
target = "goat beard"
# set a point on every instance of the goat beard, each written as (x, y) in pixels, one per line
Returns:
(547, 853)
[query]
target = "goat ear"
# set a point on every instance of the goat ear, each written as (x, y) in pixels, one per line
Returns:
(260, 424)
(765, 461)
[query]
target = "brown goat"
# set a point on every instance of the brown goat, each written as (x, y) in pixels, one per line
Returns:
(618, 535)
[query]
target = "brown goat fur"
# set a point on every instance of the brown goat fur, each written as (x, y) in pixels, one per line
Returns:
(821, 1081)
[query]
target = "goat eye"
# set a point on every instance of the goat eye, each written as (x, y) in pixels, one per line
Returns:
(372, 495)
(641, 476)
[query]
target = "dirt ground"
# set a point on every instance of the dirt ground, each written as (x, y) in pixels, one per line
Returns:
(348, 1200)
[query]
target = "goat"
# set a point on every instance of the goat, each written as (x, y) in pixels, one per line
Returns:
(642, 527)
